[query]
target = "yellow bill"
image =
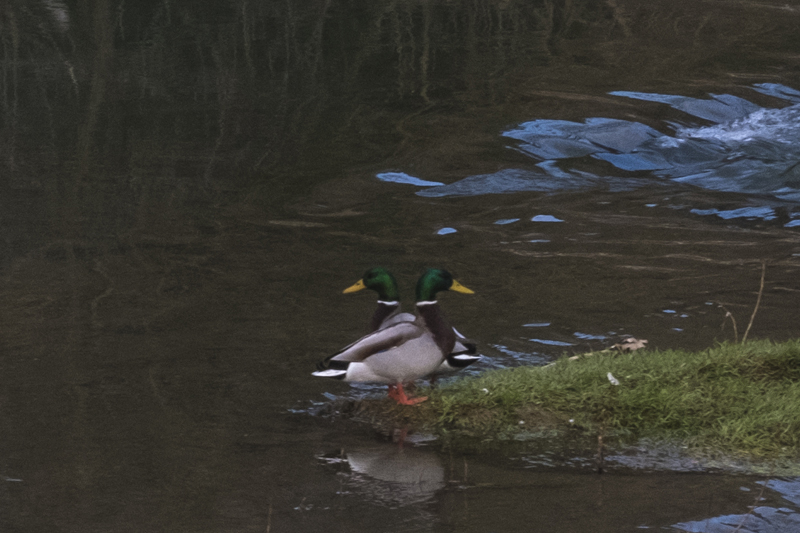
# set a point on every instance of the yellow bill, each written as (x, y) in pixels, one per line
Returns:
(356, 287)
(456, 286)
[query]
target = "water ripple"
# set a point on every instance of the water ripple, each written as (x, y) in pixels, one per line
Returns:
(746, 149)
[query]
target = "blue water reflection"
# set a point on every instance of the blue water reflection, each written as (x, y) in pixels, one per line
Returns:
(589, 336)
(402, 177)
(763, 519)
(545, 218)
(551, 342)
(508, 357)
(722, 143)
(764, 213)
(789, 488)
(720, 108)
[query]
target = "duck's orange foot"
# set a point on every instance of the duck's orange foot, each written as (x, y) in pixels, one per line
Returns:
(397, 393)
(413, 401)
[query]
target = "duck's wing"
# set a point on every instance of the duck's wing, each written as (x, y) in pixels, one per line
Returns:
(463, 346)
(459, 336)
(458, 361)
(379, 341)
(464, 353)
(397, 319)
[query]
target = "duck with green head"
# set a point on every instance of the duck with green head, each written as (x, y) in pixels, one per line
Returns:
(400, 351)
(388, 312)
(384, 283)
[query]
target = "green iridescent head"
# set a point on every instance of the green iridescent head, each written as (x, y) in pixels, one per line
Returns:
(435, 280)
(379, 280)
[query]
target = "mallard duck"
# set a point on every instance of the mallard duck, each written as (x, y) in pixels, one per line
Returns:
(384, 283)
(388, 312)
(402, 351)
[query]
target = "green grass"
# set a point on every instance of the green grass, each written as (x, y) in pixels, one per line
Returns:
(740, 398)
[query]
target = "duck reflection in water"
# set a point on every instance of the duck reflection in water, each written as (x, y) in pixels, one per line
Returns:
(391, 474)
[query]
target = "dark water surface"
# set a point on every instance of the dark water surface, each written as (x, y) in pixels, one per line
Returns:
(186, 187)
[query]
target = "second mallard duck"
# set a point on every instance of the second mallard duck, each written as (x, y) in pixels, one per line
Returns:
(388, 313)
(402, 351)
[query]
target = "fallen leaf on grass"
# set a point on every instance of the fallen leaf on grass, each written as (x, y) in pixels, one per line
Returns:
(631, 344)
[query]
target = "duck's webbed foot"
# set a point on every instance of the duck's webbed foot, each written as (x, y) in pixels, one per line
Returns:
(397, 393)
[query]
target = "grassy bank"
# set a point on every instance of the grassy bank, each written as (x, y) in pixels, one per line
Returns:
(739, 398)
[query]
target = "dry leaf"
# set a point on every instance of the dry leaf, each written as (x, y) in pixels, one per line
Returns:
(631, 344)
